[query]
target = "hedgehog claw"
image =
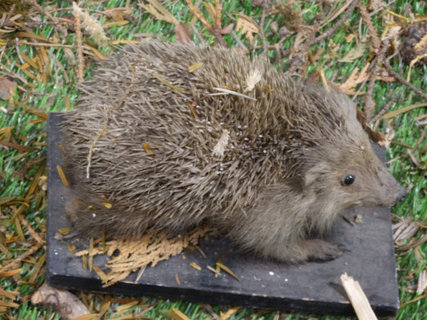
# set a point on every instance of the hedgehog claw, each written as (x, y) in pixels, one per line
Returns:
(323, 251)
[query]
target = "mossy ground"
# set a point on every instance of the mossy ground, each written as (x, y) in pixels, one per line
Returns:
(57, 89)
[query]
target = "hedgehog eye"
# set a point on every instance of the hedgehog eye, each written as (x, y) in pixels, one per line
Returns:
(349, 180)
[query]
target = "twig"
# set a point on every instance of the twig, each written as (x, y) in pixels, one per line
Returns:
(198, 14)
(261, 30)
(335, 27)
(23, 256)
(218, 10)
(30, 229)
(413, 300)
(398, 77)
(238, 41)
(369, 101)
(386, 108)
(79, 46)
(45, 12)
(216, 30)
(376, 46)
(198, 35)
(376, 42)
(372, 79)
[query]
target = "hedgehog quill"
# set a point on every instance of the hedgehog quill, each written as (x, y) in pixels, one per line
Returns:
(170, 136)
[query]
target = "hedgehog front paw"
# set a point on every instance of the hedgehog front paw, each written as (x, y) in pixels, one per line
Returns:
(320, 250)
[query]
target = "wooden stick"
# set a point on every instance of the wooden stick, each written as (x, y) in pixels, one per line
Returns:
(357, 298)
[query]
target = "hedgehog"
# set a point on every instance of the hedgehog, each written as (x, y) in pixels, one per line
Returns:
(167, 136)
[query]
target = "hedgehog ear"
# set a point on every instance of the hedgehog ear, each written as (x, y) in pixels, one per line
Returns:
(295, 183)
(315, 173)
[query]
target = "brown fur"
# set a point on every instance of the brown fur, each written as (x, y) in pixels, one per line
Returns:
(279, 179)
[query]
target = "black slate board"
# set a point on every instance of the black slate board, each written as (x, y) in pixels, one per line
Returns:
(312, 287)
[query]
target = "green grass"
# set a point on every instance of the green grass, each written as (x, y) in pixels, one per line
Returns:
(52, 95)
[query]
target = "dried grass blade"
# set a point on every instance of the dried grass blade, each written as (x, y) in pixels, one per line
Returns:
(394, 113)
(37, 268)
(228, 270)
(224, 91)
(29, 60)
(166, 82)
(97, 53)
(9, 294)
(90, 254)
(10, 273)
(177, 314)
(64, 231)
(195, 66)
(101, 274)
(196, 266)
(7, 253)
(217, 273)
(18, 229)
(33, 36)
(229, 313)
(89, 316)
(62, 176)
(8, 304)
(115, 42)
(127, 306)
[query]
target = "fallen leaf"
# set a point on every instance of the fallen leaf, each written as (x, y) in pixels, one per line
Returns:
(118, 14)
(356, 77)
(67, 304)
(376, 5)
(354, 53)
(350, 37)
(147, 147)
(252, 79)
(107, 205)
(156, 9)
(7, 87)
(247, 26)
